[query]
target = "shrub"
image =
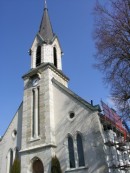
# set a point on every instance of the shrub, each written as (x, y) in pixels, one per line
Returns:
(16, 166)
(55, 165)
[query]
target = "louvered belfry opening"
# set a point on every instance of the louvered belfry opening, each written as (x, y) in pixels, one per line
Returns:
(55, 57)
(38, 56)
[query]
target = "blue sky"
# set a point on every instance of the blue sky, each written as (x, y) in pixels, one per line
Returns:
(73, 22)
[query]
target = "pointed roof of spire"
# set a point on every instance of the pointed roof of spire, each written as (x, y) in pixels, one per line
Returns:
(46, 31)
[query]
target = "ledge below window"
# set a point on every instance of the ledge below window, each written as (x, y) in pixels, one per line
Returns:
(34, 139)
(76, 169)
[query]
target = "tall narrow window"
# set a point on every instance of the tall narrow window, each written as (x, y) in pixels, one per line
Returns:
(55, 56)
(33, 114)
(11, 158)
(38, 90)
(71, 152)
(80, 150)
(38, 56)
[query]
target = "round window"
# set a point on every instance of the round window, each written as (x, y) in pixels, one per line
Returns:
(71, 115)
(14, 133)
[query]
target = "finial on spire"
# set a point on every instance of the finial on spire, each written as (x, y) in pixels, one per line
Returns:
(45, 4)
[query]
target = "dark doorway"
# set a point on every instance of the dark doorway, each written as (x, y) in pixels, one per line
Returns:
(38, 166)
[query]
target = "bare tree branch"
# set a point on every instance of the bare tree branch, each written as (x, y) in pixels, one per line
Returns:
(112, 40)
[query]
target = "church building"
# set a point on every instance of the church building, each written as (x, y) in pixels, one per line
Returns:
(52, 120)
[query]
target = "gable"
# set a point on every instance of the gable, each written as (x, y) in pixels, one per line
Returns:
(12, 138)
(67, 102)
(75, 96)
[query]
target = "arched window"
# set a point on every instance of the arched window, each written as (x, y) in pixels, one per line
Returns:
(71, 152)
(55, 56)
(37, 166)
(38, 56)
(80, 150)
(9, 160)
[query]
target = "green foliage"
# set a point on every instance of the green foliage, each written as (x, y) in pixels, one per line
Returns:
(16, 166)
(55, 165)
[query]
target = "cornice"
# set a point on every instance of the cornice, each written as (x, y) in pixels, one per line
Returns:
(43, 67)
(37, 147)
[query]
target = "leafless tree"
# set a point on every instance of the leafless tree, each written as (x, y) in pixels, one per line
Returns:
(112, 40)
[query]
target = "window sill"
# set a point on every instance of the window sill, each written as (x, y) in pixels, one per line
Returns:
(76, 169)
(34, 139)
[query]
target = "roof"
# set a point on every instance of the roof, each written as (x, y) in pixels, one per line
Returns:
(81, 100)
(45, 30)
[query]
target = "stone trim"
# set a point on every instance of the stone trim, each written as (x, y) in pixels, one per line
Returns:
(35, 139)
(38, 147)
(42, 67)
(77, 169)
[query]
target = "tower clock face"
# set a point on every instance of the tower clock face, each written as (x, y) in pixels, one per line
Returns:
(35, 81)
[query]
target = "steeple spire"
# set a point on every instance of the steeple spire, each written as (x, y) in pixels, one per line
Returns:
(45, 30)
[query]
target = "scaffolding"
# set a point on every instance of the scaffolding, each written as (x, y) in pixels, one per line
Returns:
(116, 142)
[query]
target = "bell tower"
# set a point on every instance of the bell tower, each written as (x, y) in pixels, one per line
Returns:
(46, 47)
(38, 121)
